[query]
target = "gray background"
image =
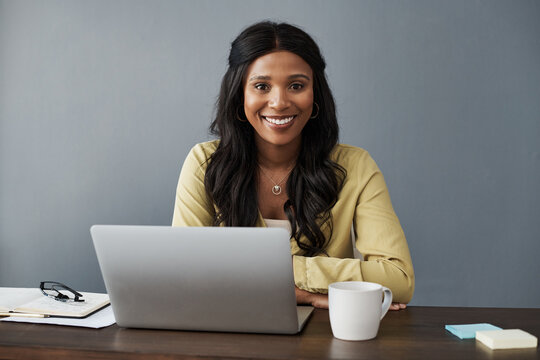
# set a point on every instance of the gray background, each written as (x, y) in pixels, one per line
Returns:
(100, 101)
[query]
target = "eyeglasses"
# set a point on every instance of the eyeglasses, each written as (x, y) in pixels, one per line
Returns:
(59, 291)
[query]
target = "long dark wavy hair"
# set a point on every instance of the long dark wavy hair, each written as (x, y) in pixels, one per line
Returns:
(231, 175)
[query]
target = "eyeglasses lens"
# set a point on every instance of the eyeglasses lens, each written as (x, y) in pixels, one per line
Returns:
(58, 292)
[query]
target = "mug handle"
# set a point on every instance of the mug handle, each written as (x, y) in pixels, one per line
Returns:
(386, 302)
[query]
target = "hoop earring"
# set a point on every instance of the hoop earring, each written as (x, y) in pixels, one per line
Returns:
(238, 116)
(317, 114)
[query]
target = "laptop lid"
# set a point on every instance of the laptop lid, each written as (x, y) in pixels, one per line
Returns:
(199, 278)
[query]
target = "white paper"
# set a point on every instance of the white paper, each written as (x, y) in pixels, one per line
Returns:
(10, 298)
(99, 319)
(31, 300)
(47, 305)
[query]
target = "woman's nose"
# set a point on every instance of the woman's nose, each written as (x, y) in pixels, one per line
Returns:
(279, 99)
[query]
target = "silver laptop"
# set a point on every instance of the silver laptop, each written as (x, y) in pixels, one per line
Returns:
(200, 278)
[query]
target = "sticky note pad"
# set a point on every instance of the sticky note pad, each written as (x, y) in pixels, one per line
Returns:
(507, 339)
(468, 331)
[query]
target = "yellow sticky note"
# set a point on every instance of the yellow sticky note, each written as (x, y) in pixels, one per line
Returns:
(507, 339)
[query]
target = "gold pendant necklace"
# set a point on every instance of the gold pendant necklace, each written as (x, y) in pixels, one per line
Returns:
(276, 189)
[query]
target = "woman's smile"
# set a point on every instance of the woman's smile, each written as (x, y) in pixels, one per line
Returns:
(279, 122)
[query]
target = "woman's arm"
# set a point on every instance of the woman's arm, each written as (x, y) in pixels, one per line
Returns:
(192, 205)
(379, 238)
(316, 273)
(304, 297)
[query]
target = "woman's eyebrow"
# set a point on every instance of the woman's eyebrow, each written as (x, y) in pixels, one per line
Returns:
(259, 77)
(294, 76)
(266, 77)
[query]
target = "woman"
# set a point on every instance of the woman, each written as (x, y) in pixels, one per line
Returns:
(277, 163)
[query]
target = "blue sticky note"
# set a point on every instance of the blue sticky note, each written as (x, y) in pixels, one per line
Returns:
(468, 331)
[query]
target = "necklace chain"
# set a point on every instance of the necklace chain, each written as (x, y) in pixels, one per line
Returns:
(276, 189)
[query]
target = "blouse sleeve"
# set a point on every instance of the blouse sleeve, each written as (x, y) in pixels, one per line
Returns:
(379, 238)
(192, 205)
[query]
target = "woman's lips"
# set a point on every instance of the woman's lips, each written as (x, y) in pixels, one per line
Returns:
(279, 121)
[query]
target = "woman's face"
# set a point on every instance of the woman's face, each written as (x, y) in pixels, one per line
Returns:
(278, 97)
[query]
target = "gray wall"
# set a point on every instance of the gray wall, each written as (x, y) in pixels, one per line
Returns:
(100, 101)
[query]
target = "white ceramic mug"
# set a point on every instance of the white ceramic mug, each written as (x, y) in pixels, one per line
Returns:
(356, 309)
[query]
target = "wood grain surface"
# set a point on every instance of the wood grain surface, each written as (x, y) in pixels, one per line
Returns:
(414, 333)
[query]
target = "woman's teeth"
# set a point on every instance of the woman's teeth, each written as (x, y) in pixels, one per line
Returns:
(279, 121)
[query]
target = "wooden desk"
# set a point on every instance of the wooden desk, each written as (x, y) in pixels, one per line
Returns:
(417, 332)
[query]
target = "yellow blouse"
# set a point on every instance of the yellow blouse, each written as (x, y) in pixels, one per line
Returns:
(363, 203)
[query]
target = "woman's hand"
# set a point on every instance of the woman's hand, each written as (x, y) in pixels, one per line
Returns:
(304, 297)
(397, 306)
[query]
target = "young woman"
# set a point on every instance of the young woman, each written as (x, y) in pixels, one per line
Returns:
(278, 163)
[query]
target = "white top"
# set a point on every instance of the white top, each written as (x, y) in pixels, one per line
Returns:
(274, 223)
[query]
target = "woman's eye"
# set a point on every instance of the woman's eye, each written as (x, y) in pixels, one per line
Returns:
(297, 86)
(261, 87)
